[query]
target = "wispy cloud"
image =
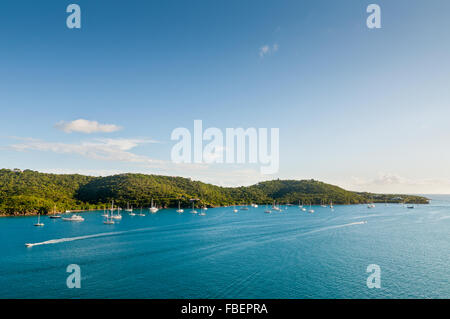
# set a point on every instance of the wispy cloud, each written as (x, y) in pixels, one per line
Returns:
(394, 183)
(86, 126)
(98, 149)
(268, 50)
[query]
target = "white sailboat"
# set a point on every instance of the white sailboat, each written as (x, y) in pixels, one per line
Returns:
(118, 216)
(193, 211)
(141, 213)
(310, 209)
(39, 221)
(153, 209)
(331, 205)
(179, 210)
(371, 204)
(202, 212)
(128, 208)
(109, 220)
(234, 209)
(105, 213)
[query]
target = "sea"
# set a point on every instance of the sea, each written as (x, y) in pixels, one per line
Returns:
(287, 254)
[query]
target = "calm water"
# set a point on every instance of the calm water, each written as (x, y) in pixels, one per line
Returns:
(250, 254)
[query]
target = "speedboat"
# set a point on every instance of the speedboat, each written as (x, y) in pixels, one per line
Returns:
(74, 218)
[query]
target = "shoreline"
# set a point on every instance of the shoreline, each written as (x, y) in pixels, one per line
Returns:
(48, 214)
(239, 205)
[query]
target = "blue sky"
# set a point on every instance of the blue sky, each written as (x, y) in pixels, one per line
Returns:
(363, 109)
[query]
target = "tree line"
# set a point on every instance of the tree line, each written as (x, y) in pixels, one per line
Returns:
(31, 192)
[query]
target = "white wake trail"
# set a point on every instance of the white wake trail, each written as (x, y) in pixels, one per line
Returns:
(63, 240)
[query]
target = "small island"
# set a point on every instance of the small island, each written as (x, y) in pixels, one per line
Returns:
(29, 192)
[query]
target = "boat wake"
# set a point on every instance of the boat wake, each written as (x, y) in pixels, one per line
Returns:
(334, 227)
(63, 240)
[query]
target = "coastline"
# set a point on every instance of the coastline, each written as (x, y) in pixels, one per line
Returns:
(28, 214)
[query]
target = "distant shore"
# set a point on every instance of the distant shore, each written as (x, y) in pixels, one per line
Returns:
(48, 214)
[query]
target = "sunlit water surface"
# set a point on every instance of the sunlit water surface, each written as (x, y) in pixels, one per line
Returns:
(249, 254)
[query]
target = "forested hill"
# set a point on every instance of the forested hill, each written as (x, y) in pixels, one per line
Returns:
(28, 192)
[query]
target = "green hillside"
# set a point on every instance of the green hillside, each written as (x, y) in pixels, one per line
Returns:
(29, 192)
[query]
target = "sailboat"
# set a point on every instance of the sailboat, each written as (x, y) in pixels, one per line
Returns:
(109, 220)
(193, 211)
(371, 204)
(202, 212)
(105, 213)
(322, 203)
(179, 210)
(141, 213)
(310, 209)
(267, 211)
(234, 209)
(118, 216)
(128, 208)
(39, 221)
(153, 209)
(275, 207)
(331, 205)
(54, 216)
(300, 206)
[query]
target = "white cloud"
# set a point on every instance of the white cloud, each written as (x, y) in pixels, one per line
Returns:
(268, 50)
(264, 50)
(86, 126)
(98, 149)
(394, 183)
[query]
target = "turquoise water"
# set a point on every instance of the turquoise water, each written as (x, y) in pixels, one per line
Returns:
(248, 254)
